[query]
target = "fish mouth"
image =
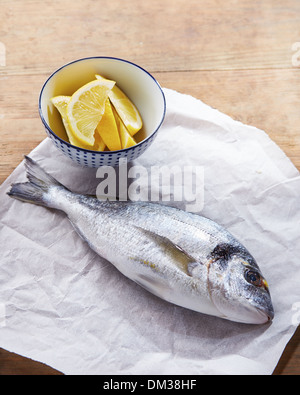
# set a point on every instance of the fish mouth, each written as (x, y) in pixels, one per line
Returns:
(266, 312)
(252, 314)
(260, 314)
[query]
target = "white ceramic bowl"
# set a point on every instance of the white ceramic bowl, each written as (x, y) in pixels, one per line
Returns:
(140, 86)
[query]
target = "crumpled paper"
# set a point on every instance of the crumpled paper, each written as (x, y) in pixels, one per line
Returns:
(63, 305)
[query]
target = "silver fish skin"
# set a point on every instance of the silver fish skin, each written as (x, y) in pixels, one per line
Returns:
(183, 258)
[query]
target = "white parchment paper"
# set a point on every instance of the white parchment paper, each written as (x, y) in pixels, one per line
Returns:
(63, 305)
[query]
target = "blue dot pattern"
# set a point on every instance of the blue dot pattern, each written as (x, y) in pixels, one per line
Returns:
(97, 159)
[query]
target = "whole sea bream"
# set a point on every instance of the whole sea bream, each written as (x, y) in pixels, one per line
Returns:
(181, 257)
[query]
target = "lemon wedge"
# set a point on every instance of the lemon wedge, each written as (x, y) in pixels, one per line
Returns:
(108, 130)
(61, 103)
(126, 139)
(125, 108)
(86, 108)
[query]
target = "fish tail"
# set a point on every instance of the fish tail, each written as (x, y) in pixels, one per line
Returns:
(36, 190)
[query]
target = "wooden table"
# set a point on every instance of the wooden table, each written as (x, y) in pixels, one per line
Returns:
(239, 56)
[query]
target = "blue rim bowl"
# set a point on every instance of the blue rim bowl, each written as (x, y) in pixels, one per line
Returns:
(138, 84)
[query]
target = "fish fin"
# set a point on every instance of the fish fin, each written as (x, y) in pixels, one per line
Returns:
(163, 239)
(39, 183)
(184, 260)
(36, 175)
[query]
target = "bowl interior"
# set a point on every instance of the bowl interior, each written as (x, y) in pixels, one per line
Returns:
(141, 88)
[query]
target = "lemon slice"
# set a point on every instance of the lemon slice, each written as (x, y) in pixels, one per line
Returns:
(107, 129)
(86, 109)
(126, 139)
(61, 103)
(125, 108)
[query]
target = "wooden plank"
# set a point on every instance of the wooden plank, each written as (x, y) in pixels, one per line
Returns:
(290, 360)
(267, 99)
(12, 364)
(159, 35)
(235, 56)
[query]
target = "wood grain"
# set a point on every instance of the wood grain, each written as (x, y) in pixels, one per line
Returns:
(161, 36)
(13, 364)
(235, 56)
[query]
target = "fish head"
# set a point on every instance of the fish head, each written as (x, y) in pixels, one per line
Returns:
(239, 290)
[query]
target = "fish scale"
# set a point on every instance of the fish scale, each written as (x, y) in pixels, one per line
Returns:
(183, 258)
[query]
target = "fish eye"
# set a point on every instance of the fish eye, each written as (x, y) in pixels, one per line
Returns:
(253, 278)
